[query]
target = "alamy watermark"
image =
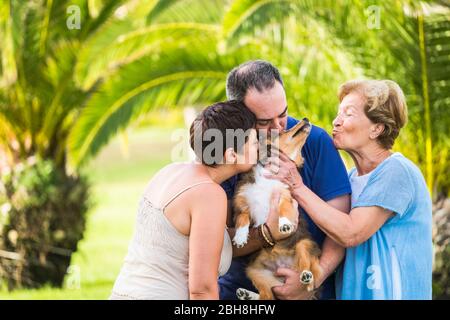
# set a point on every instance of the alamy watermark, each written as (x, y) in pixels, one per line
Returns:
(73, 277)
(374, 280)
(373, 14)
(73, 21)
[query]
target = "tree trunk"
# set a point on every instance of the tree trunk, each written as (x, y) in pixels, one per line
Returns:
(46, 214)
(441, 241)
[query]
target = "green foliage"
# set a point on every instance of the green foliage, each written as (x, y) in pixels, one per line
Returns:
(170, 63)
(43, 218)
(39, 97)
(317, 45)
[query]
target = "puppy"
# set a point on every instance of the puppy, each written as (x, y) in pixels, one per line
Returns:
(251, 208)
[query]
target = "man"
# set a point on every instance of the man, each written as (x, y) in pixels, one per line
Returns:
(259, 85)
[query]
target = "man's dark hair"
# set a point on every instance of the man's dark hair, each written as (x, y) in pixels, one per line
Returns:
(258, 74)
(221, 116)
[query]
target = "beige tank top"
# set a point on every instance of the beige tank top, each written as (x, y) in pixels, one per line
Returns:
(156, 265)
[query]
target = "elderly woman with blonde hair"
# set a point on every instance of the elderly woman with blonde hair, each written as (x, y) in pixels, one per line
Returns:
(388, 230)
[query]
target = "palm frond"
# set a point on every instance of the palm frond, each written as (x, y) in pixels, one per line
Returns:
(8, 70)
(107, 10)
(65, 96)
(176, 77)
(118, 48)
(199, 11)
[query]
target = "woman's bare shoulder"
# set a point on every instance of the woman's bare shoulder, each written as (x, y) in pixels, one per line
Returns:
(211, 189)
(209, 195)
(170, 171)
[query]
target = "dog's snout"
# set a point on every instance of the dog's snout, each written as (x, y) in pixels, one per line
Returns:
(306, 120)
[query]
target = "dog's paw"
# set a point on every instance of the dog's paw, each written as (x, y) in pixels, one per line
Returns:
(306, 277)
(241, 236)
(244, 294)
(285, 225)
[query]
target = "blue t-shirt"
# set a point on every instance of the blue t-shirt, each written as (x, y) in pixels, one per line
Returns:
(325, 174)
(396, 262)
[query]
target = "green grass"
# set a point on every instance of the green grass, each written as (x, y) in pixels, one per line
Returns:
(118, 182)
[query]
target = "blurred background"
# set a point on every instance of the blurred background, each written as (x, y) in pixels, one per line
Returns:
(94, 93)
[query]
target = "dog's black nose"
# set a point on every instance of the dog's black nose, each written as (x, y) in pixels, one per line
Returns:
(305, 119)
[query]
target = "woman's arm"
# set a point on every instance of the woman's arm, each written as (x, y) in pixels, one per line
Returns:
(332, 252)
(208, 221)
(348, 230)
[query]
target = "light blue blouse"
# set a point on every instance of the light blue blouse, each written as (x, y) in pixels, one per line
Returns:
(396, 262)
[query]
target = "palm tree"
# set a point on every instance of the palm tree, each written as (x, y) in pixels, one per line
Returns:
(39, 102)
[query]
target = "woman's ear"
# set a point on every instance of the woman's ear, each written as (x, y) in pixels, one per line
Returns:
(230, 156)
(376, 130)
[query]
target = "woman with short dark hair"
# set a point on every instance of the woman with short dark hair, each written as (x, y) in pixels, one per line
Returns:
(180, 244)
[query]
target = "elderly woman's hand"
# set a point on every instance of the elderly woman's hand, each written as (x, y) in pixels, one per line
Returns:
(282, 168)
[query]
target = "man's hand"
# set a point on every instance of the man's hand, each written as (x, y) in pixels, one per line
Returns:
(292, 289)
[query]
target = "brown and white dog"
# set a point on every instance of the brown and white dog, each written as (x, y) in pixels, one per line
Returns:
(251, 207)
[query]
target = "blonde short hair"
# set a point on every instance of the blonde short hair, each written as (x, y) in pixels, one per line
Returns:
(385, 104)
